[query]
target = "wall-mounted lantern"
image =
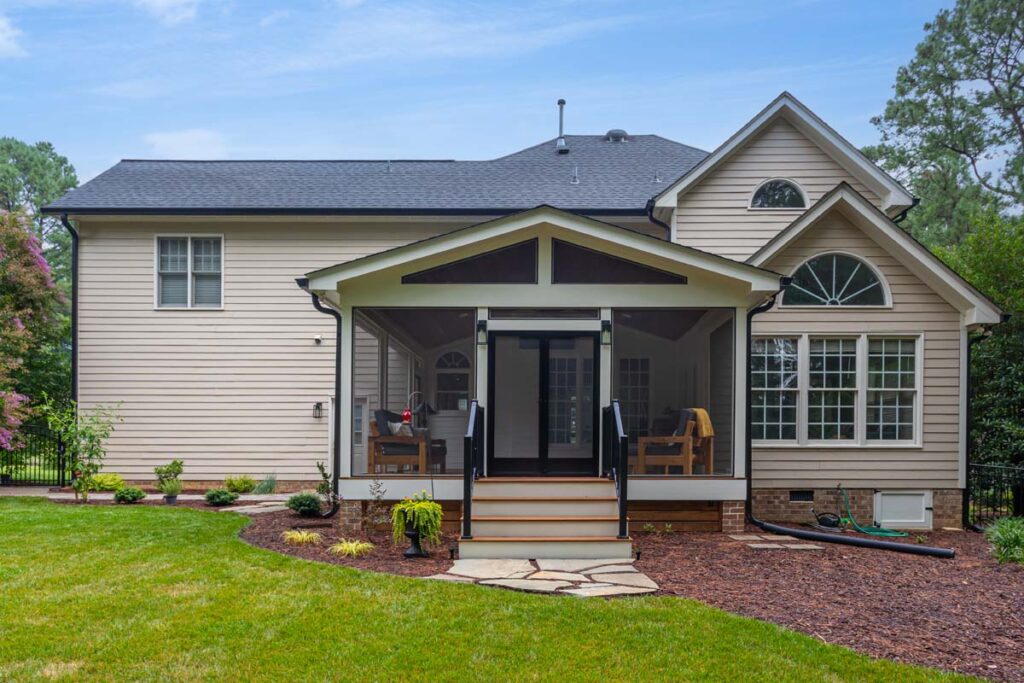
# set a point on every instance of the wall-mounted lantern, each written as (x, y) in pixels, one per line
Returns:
(318, 409)
(606, 332)
(481, 332)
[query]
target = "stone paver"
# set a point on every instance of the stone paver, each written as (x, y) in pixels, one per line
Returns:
(559, 576)
(536, 586)
(803, 546)
(745, 537)
(613, 569)
(636, 579)
(255, 509)
(604, 578)
(766, 546)
(490, 569)
(577, 565)
(596, 591)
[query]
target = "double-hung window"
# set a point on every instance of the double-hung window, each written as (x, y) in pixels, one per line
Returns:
(189, 272)
(817, 390)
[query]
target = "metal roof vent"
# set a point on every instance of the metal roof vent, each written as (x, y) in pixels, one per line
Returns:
(560, 145)
(575, 175)
(616, 135)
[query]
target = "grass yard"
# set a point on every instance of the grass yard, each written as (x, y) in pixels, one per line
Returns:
(149, 593)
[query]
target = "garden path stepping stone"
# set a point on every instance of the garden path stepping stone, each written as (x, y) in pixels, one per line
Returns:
(490, 569)
(577, 565)
(449, 577)
(745, 537)
(766, 546)
(605, 590)
(803, 546)
(534, 585)
(611, 569)
(636, 579)
(559, 576)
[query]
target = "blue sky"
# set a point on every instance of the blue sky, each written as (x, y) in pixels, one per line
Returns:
(111, 79)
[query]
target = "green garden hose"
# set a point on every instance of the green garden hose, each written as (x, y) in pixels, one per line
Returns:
(871, 531)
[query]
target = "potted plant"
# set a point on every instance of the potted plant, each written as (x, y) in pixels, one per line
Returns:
(170, 488)
(417, 518)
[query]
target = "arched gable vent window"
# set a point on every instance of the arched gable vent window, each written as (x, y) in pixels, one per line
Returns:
(778, 193)
(835, 280)
(453, 373)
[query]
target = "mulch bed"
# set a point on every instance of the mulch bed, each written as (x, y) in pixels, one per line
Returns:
(265, 532)
(964, 615)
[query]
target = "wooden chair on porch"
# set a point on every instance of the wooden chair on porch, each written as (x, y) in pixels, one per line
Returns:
(681, 449)
(386, 449)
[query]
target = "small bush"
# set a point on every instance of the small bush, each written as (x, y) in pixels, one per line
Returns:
(1007, 538)
(240, 484)
(172, 470)
(354, 548)
(268, 485)
(220, 497)
(170, 487)
(304, 504)
(421, 513)
(107, 481)
(300, 537)
(129, 495)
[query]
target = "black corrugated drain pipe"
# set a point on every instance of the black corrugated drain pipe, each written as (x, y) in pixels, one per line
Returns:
(806, 534)
(303, 284)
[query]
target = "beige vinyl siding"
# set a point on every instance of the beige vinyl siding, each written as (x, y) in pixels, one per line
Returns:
(227, 391)
(715, 215)
(916, 310)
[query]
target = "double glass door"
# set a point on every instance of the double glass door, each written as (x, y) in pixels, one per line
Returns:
(543, 399)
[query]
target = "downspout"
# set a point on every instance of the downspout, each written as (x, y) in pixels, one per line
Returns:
(303, 284)
(969, 451)
(903, 214)
(658, 221)
(803, 533)
(74, 304)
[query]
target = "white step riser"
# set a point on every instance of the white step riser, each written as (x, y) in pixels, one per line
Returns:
(541, 508)
(568, 528)
(532, 550)
(493, 488)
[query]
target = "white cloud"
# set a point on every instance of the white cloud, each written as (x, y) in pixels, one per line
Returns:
(192, 143)
(274, 17)
(170, 11)
(9, 35)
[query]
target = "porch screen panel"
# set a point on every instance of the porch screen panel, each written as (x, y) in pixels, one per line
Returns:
(722, 392)
(365, 390)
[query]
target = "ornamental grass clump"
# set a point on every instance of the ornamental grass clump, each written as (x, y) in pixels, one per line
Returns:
(420, 513)
(301, 537)
(1007, 538)
(351, 548)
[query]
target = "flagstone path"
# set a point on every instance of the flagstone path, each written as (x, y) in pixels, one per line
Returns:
(582, 578)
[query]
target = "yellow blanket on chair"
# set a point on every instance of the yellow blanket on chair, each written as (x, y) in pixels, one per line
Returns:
(703, 420)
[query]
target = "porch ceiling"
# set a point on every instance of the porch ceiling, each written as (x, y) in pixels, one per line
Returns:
(756, 278)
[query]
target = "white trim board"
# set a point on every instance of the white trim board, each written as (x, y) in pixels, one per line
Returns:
(894, 196)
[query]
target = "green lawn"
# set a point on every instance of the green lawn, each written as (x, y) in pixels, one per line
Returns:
(149, 593)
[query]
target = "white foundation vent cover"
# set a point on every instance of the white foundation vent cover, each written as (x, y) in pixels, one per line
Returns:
(904, 509)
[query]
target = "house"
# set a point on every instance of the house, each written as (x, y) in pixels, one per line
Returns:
(491, 330)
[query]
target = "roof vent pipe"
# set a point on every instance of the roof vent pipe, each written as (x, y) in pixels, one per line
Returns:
(560, 144)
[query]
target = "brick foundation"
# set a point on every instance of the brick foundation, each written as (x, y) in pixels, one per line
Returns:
(733, 521)
(350, 516)
(204, 485)
(775, 505)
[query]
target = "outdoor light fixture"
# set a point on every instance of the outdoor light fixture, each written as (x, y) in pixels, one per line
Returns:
(481, 332)
(606, 332)
(318, 409)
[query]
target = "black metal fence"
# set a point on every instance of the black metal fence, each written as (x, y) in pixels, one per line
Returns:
(994, 491)
(40, 460)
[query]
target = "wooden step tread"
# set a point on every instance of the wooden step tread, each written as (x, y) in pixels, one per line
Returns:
(541, 539)
(545, 499)
(543, 518)
(544, 480)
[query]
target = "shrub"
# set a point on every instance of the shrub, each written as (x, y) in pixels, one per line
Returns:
(167, 472)
(300, 537)
(420, 512)
(85, 432)
(240, 484)
(268, 485)
(220, 497)
(1007, 538)
(304, 504)
(170, 487)
(108, 481)
(129, 495)
(354, 548)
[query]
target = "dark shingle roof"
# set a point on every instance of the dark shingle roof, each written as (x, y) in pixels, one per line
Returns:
(613, 177)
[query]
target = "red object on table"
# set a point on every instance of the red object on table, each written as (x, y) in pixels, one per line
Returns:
(406, 415)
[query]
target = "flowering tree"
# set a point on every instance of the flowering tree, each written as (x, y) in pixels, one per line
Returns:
(28, 307)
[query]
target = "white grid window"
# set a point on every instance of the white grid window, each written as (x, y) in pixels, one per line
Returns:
(862, 389)
(774, 381)
(358, 412)
(189, 272)
(892, 389)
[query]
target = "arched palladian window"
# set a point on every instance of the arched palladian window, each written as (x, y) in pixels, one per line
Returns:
(453, 375)
(778, 193)
(835, 280)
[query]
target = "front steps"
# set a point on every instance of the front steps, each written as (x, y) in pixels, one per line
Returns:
(545, 518)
